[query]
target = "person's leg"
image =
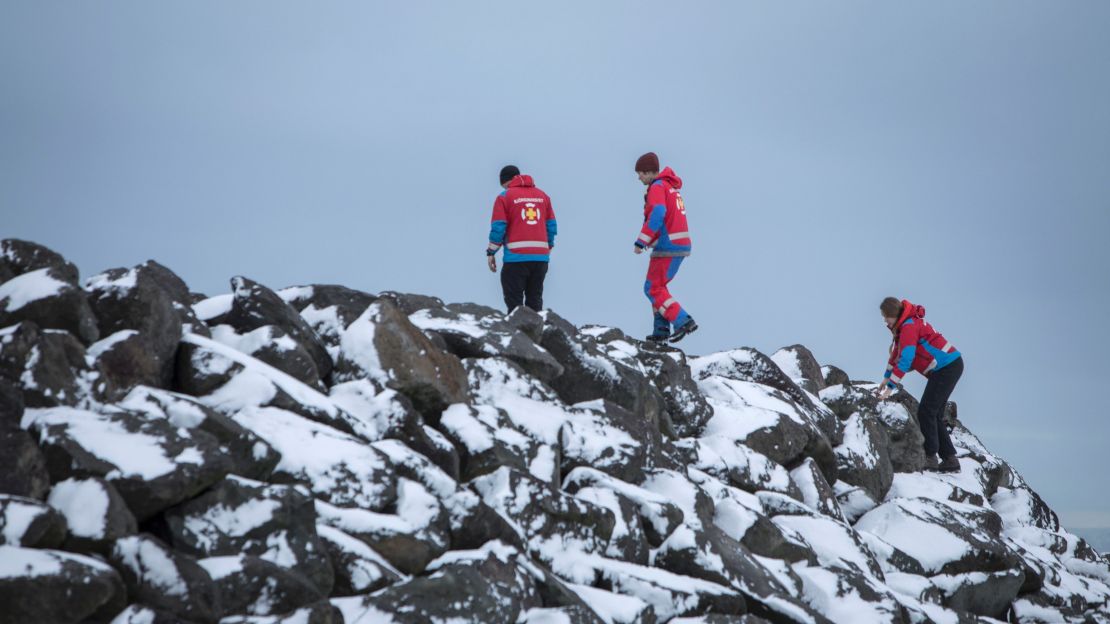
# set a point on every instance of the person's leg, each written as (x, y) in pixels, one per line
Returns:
(513, 280)
(930, 413)
(656, 280)
(660, 272)
(537, 272)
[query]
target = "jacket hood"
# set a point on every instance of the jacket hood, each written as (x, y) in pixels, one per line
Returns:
(521, 180)
(910, 310)
(668, 176)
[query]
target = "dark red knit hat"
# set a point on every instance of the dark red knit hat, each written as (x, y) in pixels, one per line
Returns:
(647, 162)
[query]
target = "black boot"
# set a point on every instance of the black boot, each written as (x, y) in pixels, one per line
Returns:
(949, 464)
(684, 330)
(931, 463)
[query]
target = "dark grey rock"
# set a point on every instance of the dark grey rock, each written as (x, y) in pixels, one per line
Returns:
(66, 308)
(253, 586)
(863, 459)
(632, 442)
(19, 256)
(50, 366)
(810, 377)
(834, 376)
(985, 594)
(897, 419)
(57, 587)
(31, 523)
(358, 568)
(166, 580)
(196, 527)
(255, 306)
(95, 512)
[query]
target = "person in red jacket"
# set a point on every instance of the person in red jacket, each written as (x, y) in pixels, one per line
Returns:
(917, 346)
(524, 224)
(667, 234)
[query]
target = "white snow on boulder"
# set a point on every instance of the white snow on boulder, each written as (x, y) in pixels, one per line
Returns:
(23, 289)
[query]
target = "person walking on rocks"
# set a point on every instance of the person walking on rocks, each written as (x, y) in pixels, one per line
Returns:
(667, 234)
(917, 346)
(524, 224)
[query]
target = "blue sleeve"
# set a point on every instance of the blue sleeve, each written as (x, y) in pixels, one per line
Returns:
(905, 361)
(552, 230)
(497, 232)
(658, 213)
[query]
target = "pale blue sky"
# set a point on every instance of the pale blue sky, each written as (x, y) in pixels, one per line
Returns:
(954, 153)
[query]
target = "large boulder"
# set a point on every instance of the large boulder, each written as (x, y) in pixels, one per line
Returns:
(798, 363)
(22, 466)
(253, 586)
(359, 569)
(141, 300)
(472, 331)
(50, 299)
(328, 309)
(152, 463)
(238, 516)
(271, 345)
(50, 365)
(904, 440)
(254, 306)
(95, 513)
(863, 459)
(987, 594)
(629, 447)
(944, 538)
(19, 256)
(166, 580)
(486, 440)
(844, 595)
(659, 515)
(127, 359)
(29, 522)
(53, 586)
(383, 345)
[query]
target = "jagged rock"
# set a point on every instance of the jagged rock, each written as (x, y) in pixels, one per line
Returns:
(271, 345)
(628, 541)
(746, 364)
(834, 376)
(986, 594)
(385, 346)
(254, 306)
(836, 544)
(248, 455)
(486, 440)
(22, 466)
(51, 300)
(127, 360)
(417, 533)
(53, 586)
(798, 363)
(737, 464)
(141, 300)
(740, 515)
(18, 257)
(946, 538)
(540, 513)
(410, 303)
(815, 490)
(849, 596)
(476, 332)
(358, 568)
(1022, 506)
(328, 309)
(669, 371)
(903, 435)
(152, 463)
(166, 580)
(528, 321)
(863, 459)
(238, 516)
(253, 586)
(50, 366)
(589, 374)
(95, 513)
(658, 515)
(29, 522)
(200, 371)
(629, 449)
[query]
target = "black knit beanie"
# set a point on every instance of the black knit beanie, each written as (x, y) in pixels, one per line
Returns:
(508, 172)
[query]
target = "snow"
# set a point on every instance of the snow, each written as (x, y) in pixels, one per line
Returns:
(416, 510)
(298, 390)
(220, 567)
(365, 575)
(474, 434)
(610, 607)
(135, 614)
(532, 407)
(84, 503)
(134, 454)
(103, 282)
(832, 542)
(371, 413)
(857, 443)
(788, 361)
(356, 612)
(16, 515)
(357, 344)
(151, 564)
(252, 341)
(741, 407)
(29, 287)
(181, 410)
(98, 348)
(338, 467)
(16, 562)
(222, 520)
(464, 324)
(212, 307)
(840, 602)
(900, 524)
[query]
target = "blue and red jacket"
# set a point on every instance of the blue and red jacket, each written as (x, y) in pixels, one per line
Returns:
(665, 229)
(523, 222)
(917, 346)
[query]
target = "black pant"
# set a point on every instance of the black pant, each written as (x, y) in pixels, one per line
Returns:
(930, 414)
(520, 280)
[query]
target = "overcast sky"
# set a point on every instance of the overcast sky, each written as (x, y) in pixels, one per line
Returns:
(954, 153)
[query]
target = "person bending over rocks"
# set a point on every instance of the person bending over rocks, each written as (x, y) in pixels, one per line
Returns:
(917, 346)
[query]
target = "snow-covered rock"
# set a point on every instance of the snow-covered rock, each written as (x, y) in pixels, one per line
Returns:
(55, 586)
(49, 298)
(96, 515)
(29, 522)
(166, 580)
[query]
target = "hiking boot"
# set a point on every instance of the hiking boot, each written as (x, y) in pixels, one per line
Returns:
(684, 330)
(658, 338)
(949, 464)
(931, 463)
